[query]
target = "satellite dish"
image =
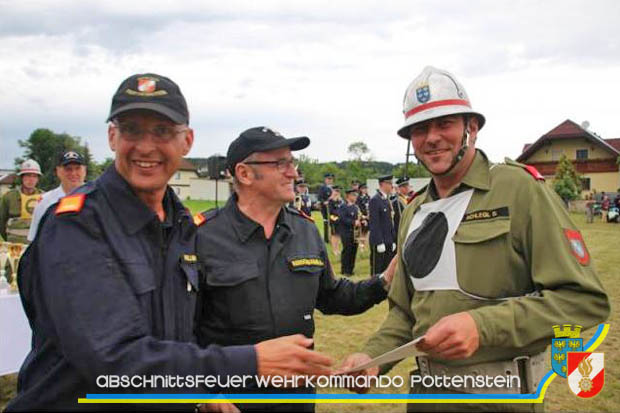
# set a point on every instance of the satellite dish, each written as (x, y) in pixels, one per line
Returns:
(585, 124)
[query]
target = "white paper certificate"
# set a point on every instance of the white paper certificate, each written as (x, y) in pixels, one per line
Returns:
(404, 351)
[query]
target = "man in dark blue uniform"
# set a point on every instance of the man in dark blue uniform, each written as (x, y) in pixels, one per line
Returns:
(266, 267)
(110, 282)
(348, 223)
(382, 235)
(325, 193)
(333, 206)
(363, 200)
(400, 200)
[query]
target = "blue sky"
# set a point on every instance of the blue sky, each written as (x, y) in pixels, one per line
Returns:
(334, 71)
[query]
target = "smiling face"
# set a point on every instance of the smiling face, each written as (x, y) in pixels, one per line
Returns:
(437, 142)
(266, 181)
(145, 160)
(71, 176)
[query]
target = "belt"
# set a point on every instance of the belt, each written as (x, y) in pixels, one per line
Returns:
(529, 369)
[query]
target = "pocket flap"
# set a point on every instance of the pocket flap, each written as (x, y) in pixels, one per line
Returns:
(191, 273)
(232, 274)
(475, 232)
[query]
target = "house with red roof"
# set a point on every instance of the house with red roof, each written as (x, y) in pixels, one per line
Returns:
(594, 158)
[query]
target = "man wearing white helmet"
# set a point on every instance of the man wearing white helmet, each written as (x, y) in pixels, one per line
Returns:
(16, 206)
(475, 275)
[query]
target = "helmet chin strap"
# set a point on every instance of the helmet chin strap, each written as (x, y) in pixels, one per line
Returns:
(459, 156)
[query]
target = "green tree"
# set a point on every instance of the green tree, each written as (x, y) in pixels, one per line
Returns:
(414, 170)
(359, 151)
(567, 182)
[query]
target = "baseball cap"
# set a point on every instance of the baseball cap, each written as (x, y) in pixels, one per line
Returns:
(151, 92)
(260, 139)
(71, 157)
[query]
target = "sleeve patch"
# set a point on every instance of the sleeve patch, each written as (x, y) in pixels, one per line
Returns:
(71, 203)
(577, 246)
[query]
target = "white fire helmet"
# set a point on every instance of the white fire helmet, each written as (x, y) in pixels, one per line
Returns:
(432, 94)
(30, 166)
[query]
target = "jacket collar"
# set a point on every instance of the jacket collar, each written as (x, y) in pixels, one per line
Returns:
(245, 227)
(131, 211)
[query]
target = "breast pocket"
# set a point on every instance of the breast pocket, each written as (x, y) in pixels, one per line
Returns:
(237, 293)
(485, 259)
(141, 278)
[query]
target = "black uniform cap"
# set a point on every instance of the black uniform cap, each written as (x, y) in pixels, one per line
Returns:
(260, 139)
(402, 181)
(386, 178)
(151, 92)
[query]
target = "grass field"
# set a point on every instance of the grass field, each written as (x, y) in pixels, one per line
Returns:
(339, 336)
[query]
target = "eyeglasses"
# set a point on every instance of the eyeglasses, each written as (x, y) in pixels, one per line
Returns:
(161, 133)
(281, 164)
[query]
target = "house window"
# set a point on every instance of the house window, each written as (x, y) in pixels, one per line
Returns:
(585, 184)
(582, 154)
(178, 177)
(177, 190)
(556, 154)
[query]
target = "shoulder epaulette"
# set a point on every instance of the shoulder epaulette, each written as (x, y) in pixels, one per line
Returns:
(71, 203)
(415, 194)
(528, 168)
(202, 217)
(302, 214)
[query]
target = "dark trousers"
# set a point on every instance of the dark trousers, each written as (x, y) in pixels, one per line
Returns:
(325, 223)
(349, 251)
(380, 261)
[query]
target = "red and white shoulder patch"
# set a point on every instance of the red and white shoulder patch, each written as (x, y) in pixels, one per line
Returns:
(71, 203)
(577, 246)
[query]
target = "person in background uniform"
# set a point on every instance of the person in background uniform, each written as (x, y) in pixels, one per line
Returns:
(305, 201)
(381, 225)
(333, 206)
(17, 206)
(110, 282)
(474, 275)
(363, 200)
(325, 193)
(355, 185)
(348, 222)
(605, 203)
(71, 172)
(266, 267)
(400, 200)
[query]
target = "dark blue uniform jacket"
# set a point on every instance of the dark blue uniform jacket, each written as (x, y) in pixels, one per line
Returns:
(111, 290)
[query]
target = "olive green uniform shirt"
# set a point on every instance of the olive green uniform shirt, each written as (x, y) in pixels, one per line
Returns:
(524, 254)
(11, 207)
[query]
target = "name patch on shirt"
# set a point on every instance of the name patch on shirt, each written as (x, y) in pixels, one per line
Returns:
(306, 263)
(486, 214)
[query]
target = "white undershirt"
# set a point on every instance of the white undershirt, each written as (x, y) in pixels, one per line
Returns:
(47, 200)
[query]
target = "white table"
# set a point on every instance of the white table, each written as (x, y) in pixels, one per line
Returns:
(15, 334)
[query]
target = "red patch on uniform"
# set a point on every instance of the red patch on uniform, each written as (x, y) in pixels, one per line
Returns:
(534, 172)
(577, 246)
(70, 203)
(199, 219)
